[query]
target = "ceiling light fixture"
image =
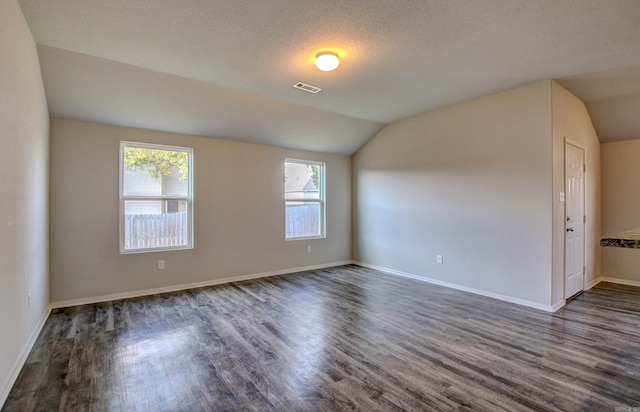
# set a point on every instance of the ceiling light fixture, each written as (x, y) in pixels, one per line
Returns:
(327, 61)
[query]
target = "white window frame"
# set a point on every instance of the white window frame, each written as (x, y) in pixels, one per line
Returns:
(322, 201)
(188, 199)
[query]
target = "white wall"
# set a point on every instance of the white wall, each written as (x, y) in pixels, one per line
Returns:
(620, 211)
(238, 210)
(571, 121)
(471, 182)
(620, 186)
(24, 136)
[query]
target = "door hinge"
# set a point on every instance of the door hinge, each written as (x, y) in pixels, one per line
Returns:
(584, 270)
(584, 219)
(584, 167)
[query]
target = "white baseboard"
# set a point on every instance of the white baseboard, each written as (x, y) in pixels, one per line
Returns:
(22, 358)
(558, 305)
(619, 281)
(176, 288)
(505, 298)
(593, 283)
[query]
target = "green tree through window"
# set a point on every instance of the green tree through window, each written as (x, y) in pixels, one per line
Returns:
(157, 162)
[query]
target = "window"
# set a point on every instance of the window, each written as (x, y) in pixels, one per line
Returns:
(156, 197)
(304, 195)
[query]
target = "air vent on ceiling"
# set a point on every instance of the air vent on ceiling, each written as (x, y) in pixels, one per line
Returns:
(307, 87)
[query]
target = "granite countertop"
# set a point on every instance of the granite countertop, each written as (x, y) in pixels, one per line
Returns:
(628, 239)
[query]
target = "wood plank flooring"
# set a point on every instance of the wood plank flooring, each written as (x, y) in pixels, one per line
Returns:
(345, 338)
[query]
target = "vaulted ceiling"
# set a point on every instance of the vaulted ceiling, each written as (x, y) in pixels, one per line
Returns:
(225, 68)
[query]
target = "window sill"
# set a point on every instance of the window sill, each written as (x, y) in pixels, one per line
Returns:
(167, 249)
(293, 239)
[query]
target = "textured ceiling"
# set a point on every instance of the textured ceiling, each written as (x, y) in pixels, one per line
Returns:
(225, 68)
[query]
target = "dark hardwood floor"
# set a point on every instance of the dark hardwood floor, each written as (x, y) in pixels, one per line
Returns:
(345, 338)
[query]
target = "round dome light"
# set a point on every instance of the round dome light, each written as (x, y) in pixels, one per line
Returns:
(327, 61)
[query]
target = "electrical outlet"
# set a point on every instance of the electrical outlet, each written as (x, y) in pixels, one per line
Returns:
(308, 248)
(161, 264)
(439, 259)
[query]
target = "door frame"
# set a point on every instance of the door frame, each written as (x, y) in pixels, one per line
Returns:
(568, 141)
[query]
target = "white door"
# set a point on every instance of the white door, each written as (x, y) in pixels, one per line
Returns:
(575, 220)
